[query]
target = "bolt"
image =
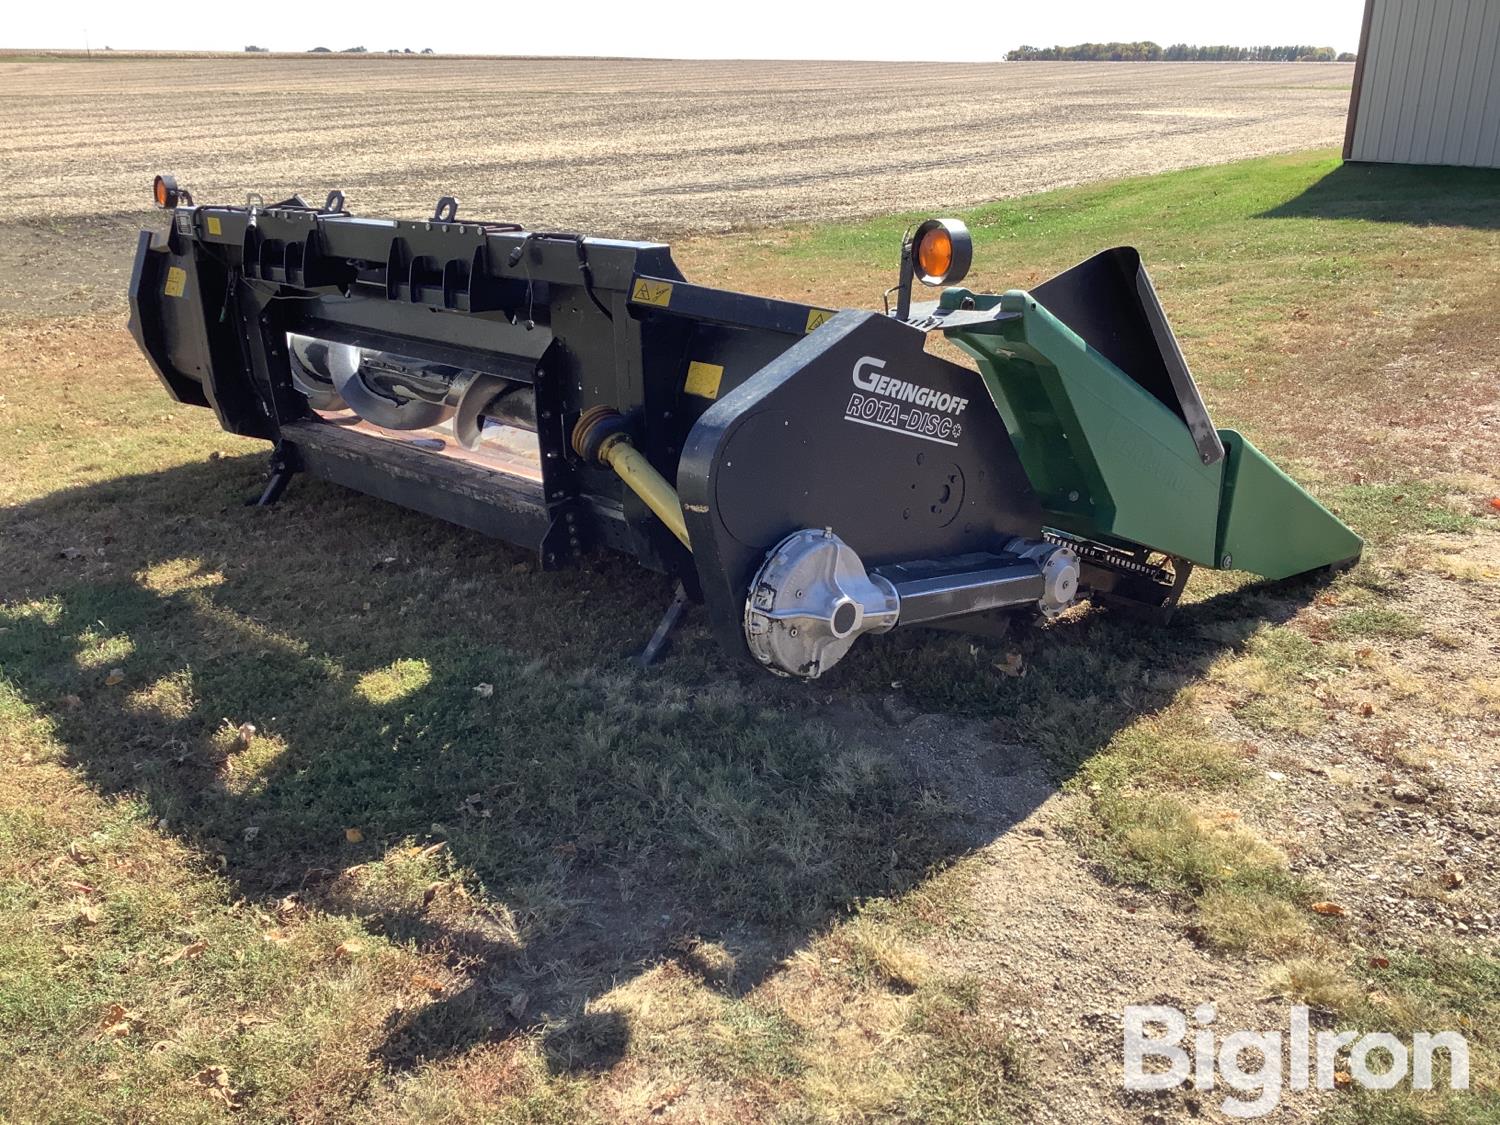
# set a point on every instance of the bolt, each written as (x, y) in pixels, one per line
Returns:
(1073, 496)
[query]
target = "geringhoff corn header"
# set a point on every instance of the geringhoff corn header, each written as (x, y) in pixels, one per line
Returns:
(810, 475)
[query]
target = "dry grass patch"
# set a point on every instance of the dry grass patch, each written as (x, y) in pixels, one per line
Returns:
(1319, 984)
(460, 1091)
(1164, 843)
(943, 903)
(972, 1068)
(250, 761)
(1378, 621)
(1249, 921)
(1274, 685)
(1174, 750)
(875, 955)
(679, 1023)
(168, 698)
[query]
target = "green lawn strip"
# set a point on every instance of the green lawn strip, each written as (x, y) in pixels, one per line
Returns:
(1257, 211)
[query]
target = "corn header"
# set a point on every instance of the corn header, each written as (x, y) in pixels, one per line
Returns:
(808, 474)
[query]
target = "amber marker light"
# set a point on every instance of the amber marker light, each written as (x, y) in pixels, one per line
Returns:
(943, 250)
(165, 191)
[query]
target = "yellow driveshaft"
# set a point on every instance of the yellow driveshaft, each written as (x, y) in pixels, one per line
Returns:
(598, 436)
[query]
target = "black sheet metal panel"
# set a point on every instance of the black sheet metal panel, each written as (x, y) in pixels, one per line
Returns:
(147, 279)
(492, 503)
(582, 321)
(858, 428)
(1109, 301)
(196, 355)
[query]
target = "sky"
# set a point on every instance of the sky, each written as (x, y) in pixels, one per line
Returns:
(776, 29)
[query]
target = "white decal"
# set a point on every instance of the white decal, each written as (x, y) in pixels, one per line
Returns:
(927, 414)
(867, 382)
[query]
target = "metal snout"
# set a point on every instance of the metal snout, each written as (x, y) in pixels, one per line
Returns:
(813, 598)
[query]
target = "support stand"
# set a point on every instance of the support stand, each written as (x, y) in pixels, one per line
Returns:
(282, 471)
(663, 635)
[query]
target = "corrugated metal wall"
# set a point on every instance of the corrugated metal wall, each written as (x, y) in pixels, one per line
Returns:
(1429, 84)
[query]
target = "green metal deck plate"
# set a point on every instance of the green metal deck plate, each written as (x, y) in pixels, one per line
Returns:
(1110, 462)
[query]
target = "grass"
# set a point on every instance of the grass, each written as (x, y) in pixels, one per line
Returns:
(1377, 621)
(1437, 986)
(1384, 511)
(599, 893)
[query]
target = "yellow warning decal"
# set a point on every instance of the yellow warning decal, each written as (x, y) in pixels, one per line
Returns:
(703, 379)
(816, 318)
(176, 281)
(648, 292)
(214, 226)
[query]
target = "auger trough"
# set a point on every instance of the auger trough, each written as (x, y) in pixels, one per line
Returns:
(808, 474)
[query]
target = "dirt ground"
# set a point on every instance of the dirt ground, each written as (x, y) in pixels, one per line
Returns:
(631, 146)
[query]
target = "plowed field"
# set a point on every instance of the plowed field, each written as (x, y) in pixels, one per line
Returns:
(631, 146)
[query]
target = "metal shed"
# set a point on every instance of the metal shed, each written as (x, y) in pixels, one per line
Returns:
(1427, 84)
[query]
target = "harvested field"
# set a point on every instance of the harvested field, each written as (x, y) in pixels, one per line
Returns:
(632, 146)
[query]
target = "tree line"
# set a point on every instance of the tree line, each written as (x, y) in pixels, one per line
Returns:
(1147, 51)
(254, 50)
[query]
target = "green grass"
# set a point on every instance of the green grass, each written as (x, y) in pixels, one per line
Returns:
(1378, 621)
(1384, 511)
(1441, 986)
(1191, 217)
(973, 1070)
(419, 900)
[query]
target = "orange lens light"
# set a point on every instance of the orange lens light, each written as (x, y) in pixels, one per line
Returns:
(935, 253)
(941, 251)
(164, 190)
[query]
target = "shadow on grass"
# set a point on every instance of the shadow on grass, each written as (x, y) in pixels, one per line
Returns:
(612, 818)
(1400, 193)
